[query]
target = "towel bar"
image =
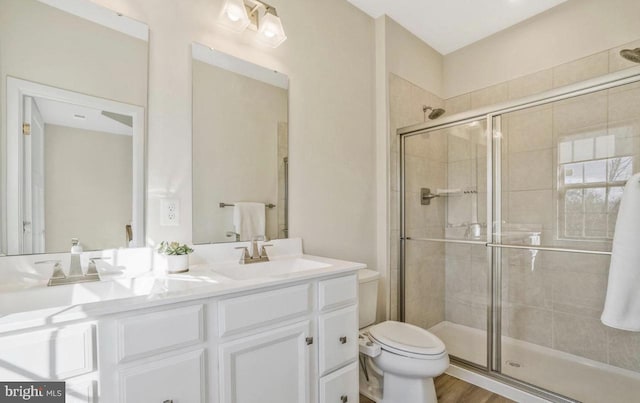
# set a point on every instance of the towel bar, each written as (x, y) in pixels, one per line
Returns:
(223, 205)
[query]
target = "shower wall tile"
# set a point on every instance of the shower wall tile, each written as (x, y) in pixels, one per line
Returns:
(490, 96)
(393, 294)
(617, 62)
(459, 104)
(531, 84)
(624, 105)
(466, 314)
(624, 349)
(528, 324)
(581, 69)
(531, 207)
(580, 335)
(579, 289)
(585, 113)
(530, 130)
(426, 167)
(531, 170)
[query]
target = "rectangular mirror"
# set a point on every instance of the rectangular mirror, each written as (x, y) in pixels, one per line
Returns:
(240, 149)
(73, 96)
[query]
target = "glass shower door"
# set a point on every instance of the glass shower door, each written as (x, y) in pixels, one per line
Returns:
(559, 173)
(446, 261)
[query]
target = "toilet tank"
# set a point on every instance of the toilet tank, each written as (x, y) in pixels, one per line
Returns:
(367, 296)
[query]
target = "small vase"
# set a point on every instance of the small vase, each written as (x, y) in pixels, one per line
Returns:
(177, 263)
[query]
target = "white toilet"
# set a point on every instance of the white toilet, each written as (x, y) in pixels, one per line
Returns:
(398, 360)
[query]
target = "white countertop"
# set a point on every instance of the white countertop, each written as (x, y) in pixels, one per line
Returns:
(50, 305)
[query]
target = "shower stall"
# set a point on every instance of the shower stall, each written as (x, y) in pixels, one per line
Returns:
(507, 218)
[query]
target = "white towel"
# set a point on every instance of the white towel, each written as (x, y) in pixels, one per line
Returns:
(249, 220)
(622, 306)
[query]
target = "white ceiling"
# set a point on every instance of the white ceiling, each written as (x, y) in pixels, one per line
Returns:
(64, 114)
(448, 25)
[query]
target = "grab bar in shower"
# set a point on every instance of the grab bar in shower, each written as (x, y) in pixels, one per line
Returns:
(223, 205)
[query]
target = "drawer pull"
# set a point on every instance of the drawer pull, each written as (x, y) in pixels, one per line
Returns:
(168, 401)
(343, 340)
(344, 399)
(309, 341)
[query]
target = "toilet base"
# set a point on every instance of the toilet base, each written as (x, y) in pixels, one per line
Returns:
(402, 390)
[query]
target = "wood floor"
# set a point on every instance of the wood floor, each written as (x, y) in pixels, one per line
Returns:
(453, 390)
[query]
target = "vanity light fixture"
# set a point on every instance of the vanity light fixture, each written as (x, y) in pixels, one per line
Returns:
(234, 15)
(256, 15)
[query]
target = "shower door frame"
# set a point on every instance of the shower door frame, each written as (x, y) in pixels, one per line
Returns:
(493, 115)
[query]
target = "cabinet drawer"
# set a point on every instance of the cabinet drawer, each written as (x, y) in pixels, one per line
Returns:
(338, 292)
(338, 336)
(152, 333)
(340, 386)
(48, 354)
(179, 378)
(255, 310)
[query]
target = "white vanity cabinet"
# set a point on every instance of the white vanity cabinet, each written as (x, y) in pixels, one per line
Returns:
(56, 353)
(338, 337)
(294, 344)
(154, 356)
(290, 342)
(266, 346)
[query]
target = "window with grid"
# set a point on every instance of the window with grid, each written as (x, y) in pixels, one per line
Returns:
(593, 170)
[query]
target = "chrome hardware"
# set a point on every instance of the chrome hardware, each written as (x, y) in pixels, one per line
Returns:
(223, 205)
(245, 257)
(426, 196)
(230, 234)
(58, 275)
(128, 232)
(309, 341)
(344, 399)
(257, 254)
(343, 340)
(92, 269)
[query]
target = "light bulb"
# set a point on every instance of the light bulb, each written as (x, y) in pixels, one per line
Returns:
(233, 15)
(269, 34)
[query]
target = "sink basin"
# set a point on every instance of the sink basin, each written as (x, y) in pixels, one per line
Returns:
(84, 293)
(272, 268)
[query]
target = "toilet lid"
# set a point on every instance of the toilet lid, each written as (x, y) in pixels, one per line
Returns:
(407, 338)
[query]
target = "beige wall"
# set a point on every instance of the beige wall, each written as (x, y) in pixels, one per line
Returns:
(412, 59)
(235, 148)
(48, 46)
(329, 57)
(87, 188)
(570, 31)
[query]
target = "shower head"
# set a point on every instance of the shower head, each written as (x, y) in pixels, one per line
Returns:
(435, 113)
(633, 55)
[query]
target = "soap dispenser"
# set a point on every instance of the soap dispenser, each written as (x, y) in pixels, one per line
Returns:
(75, 269)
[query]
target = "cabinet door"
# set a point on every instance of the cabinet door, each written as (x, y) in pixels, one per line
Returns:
(340, 386)
(272, 366)
(175, 379)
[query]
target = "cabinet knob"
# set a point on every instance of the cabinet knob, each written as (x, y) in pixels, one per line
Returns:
(168, 401)
(309, 341)
(344, 399)
(343, 340)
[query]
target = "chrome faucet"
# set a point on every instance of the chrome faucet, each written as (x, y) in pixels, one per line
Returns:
(257, 255)
(59, 278)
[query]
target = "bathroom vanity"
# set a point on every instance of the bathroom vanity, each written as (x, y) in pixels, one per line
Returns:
(279, 331)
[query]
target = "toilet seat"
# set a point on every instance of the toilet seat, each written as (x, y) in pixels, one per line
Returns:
(407, 340)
